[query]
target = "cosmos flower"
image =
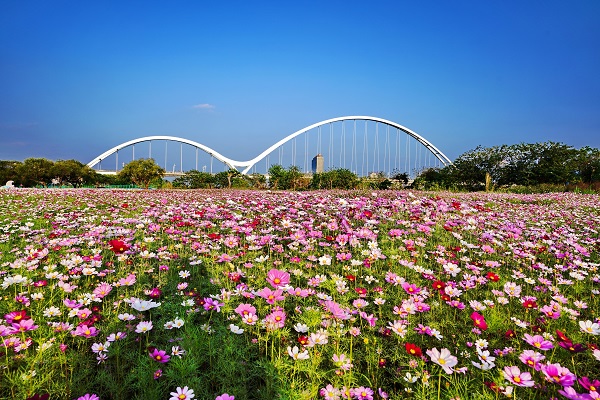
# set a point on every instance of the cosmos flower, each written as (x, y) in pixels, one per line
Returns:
(118, 246)
(182, 394)
(514, 375)
(159, 355)
(443, 358)
(296, 354)
(277, 278)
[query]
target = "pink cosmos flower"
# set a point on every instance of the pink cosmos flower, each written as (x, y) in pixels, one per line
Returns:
(102, 289)
(443, 358)
(538, 341)
(558, 374)
(532, 359)
(159, 355)
(85, 331)
(550, 312)
(336, 310)
(277, 278)
(271, 296)
(362, 393)
(372, 320)
(330, 392)
(410, 288)
(299, 292)
(24, 325)
(225, 396)
(245, 309)
(571, 394)
(276, 319)
(83, 313)
(514, 375)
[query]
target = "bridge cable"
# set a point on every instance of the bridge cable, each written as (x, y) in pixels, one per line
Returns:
(353, 167)
(365, 151)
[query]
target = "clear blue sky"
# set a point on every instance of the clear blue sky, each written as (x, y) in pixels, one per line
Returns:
(79, 77)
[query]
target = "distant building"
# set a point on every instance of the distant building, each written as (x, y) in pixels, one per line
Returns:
(318, 164)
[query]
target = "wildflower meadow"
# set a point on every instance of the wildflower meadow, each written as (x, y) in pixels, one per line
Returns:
(148, 294)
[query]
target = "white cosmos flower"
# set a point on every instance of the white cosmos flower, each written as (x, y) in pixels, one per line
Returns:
(235, 329)
(589, 327)
(143, 305)
(301, 328)
(296, 354)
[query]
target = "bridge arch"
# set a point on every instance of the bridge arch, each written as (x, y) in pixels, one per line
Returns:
(227, 161)
(437, 153)
(248, 165)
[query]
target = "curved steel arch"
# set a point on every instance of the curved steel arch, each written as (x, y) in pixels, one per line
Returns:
(437, 153)
(229, 162)
(250, 163)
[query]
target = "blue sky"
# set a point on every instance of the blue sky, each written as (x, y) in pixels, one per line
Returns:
(77, 78)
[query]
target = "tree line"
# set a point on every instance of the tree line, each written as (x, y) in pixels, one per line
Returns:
(521, 165)
(41, 172)
(555, 165)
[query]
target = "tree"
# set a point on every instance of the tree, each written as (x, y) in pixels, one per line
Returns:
(141, 172)
(195, 180)
(9, 172)
(277, 177)
(334, 179)
(35, 171)
(587, 166)
(73, 172)
(287, 179)
(226, 179)
(257, 181)
(401, 177)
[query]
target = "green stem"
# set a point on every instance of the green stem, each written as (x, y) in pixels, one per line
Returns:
(439, 385)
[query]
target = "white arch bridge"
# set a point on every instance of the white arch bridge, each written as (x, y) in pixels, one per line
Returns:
(361, 144)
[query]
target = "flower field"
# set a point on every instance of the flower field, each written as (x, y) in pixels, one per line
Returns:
(315, 295)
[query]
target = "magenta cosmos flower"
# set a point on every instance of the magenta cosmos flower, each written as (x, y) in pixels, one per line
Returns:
(277, 278)
(479, 321)
(88, 396)
(159, 355)
(225, 396)
(558, 374)
(514, 375)
(538, 342)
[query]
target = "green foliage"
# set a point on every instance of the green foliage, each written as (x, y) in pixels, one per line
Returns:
(195, 180)
(287, 179)
(74, 173)
(141, 172)
(232, 178)
(9, 172)
(334, 179)
(521, 165)
(35, 171)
